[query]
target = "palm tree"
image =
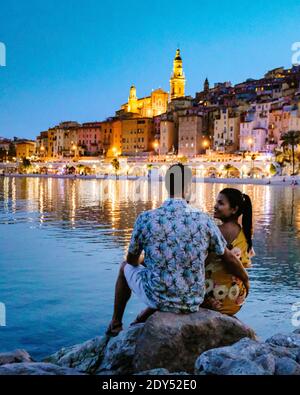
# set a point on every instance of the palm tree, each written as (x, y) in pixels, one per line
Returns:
(116, 165)
(253, 157)
(291, 138)
(149, 168)
(182, 159)
(227, 167)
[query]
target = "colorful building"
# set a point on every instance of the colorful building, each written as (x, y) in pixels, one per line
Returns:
(25, 149)
(191, 140)
(90, 138)
(226, 130)
(168, 136)
(137, 135)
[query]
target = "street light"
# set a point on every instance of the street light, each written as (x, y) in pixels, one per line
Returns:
(42, 150)
(74, 149)
(250, 142)
(155, 145)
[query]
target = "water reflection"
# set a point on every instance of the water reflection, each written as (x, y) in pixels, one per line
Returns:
(68, 237)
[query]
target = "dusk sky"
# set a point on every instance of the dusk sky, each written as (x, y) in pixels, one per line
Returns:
(75, 60)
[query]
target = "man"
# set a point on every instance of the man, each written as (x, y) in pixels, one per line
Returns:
(175, 239)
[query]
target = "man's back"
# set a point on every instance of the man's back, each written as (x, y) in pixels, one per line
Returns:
(175, 239)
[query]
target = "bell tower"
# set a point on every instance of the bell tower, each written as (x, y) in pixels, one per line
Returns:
(177, 81)
(132, 100)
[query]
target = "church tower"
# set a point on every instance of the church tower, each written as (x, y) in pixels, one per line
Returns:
(132, 100)
(206, 85)
(177, 81)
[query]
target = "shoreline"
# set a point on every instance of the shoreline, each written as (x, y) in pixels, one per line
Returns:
(277, 180)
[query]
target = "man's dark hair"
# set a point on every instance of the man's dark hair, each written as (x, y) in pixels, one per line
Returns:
(177, 178)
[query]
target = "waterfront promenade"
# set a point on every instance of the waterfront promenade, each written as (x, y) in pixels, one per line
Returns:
(276, 180)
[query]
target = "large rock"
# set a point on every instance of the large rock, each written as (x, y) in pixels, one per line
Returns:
(174, 341)
(290, 341)
(85, 357)
(249, 357)
(120, 351)
(246, 357)
(36, 369)
(14, 357)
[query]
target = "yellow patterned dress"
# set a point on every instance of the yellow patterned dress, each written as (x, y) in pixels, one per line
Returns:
(224, 292)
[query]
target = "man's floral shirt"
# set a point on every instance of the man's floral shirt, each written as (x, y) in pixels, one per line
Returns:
(175, 239)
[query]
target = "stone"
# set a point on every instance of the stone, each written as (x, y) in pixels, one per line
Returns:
(85, 357)
(158, 372)
(246, 357)
(153, 372)
(166, 336)
(36, 369)
(287, 366)
(289, 341)
(15, 357)
(120, 350)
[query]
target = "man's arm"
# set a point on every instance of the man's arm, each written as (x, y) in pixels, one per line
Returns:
(136, 245)
(134, 260)
(234, 266)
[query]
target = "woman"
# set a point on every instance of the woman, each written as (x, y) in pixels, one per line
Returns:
(225, 292)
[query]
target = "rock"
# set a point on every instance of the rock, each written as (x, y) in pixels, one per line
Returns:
(249, 357)
(158, 372)
(246, 357)
(36, 369)
(298, 356)
(287, 366)
(120, 351)
(85, 357)
(153, 372)
(280, 351)
(14, 357)
(166, 336)
(289, 341)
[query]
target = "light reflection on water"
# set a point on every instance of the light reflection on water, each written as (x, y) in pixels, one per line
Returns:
(62, 241)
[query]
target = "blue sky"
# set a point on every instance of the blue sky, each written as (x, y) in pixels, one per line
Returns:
(75, 60)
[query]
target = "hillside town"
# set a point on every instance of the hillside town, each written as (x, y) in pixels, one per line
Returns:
(256, 120)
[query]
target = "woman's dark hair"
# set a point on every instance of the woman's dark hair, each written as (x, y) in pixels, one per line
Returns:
(238, 199)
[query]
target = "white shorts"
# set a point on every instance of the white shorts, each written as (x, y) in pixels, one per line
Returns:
(134, 281)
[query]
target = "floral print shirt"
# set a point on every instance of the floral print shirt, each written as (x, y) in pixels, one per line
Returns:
(175, 239)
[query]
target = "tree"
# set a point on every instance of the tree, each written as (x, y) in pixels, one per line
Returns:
(273, 169)
(227, 168)
(12, 150)
(182, 159)
(116, 165)
(26, 162)
(291, 138)
(253, 157)
(2, 154)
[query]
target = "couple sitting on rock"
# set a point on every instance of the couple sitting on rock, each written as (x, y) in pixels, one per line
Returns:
(189, 262)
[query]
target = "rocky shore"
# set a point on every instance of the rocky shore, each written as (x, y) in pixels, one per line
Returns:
(202, 343)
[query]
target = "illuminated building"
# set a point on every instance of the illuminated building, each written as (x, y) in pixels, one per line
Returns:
(177, 81)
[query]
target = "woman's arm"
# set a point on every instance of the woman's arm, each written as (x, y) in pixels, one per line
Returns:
(234, 266)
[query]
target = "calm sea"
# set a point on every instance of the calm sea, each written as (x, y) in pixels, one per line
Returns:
(62, 241)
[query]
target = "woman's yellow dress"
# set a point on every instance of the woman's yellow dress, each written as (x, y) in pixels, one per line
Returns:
(224, 292)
